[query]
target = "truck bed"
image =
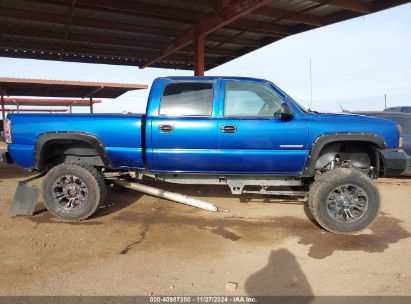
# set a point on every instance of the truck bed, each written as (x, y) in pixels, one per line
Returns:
(120, 135)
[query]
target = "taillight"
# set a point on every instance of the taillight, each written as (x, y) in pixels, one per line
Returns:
(7, 131)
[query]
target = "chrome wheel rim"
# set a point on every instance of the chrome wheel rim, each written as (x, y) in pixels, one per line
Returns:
(69, 192)
(347, 204)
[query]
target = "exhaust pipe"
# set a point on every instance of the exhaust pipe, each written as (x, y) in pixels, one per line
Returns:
(179, 198)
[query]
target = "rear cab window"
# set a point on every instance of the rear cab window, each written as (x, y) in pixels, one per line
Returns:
(187, 99)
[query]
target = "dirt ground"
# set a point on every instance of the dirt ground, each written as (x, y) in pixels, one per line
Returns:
(141, 245)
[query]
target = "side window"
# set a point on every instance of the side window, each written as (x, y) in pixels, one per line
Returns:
(247, 99)
(187, 99)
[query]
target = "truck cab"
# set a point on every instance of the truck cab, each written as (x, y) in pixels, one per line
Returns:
(218, 125)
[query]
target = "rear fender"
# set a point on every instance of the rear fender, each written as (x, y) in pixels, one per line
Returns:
(45, 139)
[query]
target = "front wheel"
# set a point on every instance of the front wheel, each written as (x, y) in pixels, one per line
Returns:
(344, 201)
(73, 191)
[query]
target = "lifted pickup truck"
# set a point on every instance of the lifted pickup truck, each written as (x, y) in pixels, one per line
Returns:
(242, 132)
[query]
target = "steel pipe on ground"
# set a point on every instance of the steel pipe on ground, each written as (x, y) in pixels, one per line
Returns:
(179, 198)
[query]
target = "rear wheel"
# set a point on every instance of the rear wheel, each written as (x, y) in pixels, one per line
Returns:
(344, 201)
(73, 191)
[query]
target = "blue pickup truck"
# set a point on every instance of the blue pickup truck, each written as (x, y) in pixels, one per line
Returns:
(242, 132)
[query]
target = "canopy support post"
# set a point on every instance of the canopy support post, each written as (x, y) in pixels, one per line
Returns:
(3, 110)
(199, 55)
(91, 105)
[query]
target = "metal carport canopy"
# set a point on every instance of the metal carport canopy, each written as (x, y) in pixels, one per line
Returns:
(40, 103)
(179, 34)
(49, 102)
(61, 88)
(36, 110)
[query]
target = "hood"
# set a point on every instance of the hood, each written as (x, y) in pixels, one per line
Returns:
(347, 122)
(351, 117)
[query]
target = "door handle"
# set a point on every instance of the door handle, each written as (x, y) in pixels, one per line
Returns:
(228, 129)
(165, 128)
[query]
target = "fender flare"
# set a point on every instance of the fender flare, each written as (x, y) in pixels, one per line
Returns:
(321, 141)
(43, 139)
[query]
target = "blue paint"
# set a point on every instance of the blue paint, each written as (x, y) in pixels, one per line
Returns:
(196, 145)
(119, 134)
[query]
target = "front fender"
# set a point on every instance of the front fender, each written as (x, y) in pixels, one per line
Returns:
(321, 141)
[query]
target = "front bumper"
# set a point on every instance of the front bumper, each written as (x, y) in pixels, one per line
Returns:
(395, 162)
(5, 158)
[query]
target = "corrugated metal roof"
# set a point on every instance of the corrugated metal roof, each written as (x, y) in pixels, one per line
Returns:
(62, 88)
(130, 32)
(48, 102)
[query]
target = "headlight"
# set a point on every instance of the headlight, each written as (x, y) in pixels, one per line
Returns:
(400, 139)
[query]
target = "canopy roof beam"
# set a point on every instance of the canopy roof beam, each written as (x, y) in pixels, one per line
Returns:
(95, 51)
(359, 6)
(54, 18)
(283, 14)
(166, 13)
(209, 24)
(109, 41)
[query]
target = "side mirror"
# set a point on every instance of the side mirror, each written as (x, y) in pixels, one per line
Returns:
(286, 112)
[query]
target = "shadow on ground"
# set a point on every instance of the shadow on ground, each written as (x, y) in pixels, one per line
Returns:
(13, 171)
(282, 276)
(386, 230)
(117, 199)
(222, 191)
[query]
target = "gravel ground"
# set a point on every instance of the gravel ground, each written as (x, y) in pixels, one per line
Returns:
(141, 245)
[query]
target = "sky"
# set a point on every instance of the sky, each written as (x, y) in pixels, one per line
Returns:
(353, 65)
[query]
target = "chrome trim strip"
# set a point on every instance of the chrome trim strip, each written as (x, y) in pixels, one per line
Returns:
(291, 146)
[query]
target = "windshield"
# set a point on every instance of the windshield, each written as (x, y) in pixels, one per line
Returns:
(287, 97)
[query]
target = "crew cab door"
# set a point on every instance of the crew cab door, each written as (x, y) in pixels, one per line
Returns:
(184, 129)
(253, 138)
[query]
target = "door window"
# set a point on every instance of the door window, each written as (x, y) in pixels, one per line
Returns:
(246, 99)
(187, 99)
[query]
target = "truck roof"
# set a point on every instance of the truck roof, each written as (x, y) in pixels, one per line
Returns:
(211, 78)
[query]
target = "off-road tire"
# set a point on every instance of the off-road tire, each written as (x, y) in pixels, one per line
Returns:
(324, 185)
(92, 179)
